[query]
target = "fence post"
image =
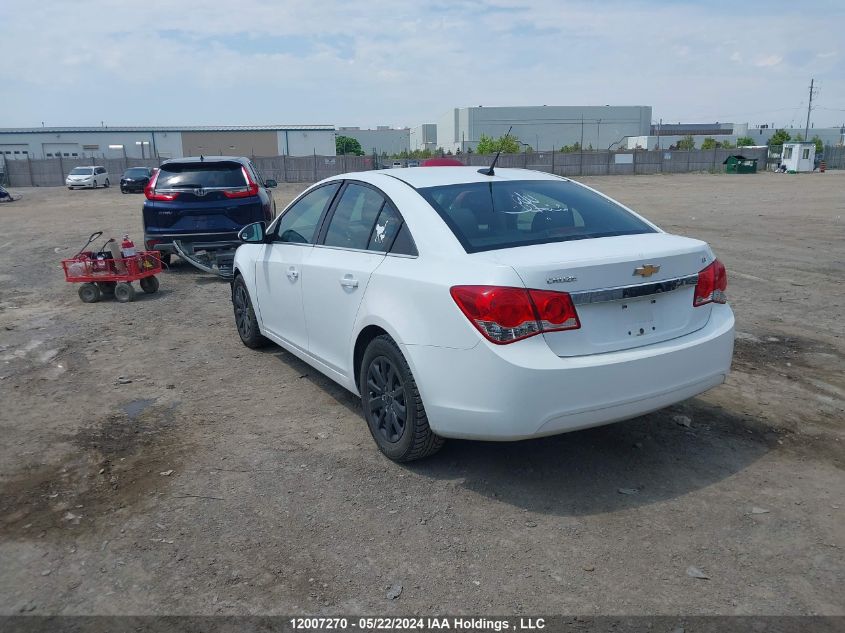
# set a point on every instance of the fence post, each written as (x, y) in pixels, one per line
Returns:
(553, 159)
(61, 167)
(285, 167)
(689, 156)
(714, 159)
(29, 167)
(634, 161)
(607, 171)
(315, 165)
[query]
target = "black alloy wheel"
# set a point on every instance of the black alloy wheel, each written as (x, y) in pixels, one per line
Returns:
(392, 404)
(386, 399)
(245, 320)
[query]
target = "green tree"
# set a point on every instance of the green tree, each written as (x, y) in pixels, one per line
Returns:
(571, 149)
(348, 145)
(725, 145)
(779, 138)
(506, 144)
(709, 143)
(744, 141)
(819, 144)
(686, 143)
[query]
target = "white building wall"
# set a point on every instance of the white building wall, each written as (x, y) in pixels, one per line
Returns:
(424, 137)
(544, 127)
(306, 142)
(88, 144)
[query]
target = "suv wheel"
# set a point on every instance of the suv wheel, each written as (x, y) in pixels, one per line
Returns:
(392, 404)
(107, 184)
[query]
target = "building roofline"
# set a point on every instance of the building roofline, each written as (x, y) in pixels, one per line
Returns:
(169, 128)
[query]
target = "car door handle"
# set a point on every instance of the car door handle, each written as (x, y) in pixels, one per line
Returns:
(293, 273)
(349, 282)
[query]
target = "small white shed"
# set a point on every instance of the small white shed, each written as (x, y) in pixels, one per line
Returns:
(799, 156)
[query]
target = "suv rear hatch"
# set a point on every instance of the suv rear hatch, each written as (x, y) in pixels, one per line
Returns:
(629, 291)
(191, 198)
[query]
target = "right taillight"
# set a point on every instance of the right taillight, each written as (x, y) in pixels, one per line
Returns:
(150, 190)
(712, 285)
(504, 315)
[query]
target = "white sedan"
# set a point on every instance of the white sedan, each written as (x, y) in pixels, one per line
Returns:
(493, 307)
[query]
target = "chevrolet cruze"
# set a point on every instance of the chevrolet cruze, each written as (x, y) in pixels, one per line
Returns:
(496, 306)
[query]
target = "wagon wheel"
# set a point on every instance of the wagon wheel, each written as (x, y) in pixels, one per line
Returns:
(149, 285)
(89, 293)
(124, 292)
(106, 288)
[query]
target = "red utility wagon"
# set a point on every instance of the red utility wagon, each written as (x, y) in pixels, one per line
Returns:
(101, 274)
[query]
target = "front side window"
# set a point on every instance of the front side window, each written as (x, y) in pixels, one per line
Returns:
(806, 154)
(299, 223)
(354, 217)
(493, 215)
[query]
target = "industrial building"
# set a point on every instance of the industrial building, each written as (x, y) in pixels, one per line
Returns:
(667, 135)
(424, 137)
(381, 140)
(543, 128)
(166, 142)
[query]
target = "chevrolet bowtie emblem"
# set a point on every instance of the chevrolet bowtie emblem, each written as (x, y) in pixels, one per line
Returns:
(646, 270)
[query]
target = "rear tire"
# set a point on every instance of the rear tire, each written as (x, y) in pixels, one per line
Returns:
(124, 292)
(392, 404)
(149, 285)
(89, 293)
(245, 320)
(106, 288)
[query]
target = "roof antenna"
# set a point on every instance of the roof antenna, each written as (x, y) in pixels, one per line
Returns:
(489, 170)
(202, 158)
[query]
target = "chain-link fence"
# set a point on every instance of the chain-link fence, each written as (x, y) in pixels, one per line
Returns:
(51, 172)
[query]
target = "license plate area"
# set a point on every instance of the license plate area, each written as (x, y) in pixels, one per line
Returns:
(637, 317)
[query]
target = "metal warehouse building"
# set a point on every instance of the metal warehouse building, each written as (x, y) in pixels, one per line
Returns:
(543, 127)
(166, 142)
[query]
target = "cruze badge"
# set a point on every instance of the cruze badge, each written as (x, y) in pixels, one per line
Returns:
(560, 280)
(646, 270)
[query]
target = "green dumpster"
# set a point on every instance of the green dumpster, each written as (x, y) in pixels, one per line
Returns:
(740, 165)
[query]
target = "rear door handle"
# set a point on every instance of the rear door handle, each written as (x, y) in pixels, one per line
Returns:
(293, 273)
(348, 281)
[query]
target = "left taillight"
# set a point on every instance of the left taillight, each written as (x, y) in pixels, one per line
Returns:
(505, 315)
(712, 285)
(150, 190)
(251, 188)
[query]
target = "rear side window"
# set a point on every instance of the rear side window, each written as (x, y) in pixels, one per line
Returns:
(195, 175)
(493, 215)
(385, 230)
(354, 217)
(299, 223)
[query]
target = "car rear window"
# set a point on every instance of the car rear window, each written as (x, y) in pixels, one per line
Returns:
(503, 214)
(194, 175)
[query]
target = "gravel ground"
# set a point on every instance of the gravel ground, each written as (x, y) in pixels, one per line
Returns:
(151, 464)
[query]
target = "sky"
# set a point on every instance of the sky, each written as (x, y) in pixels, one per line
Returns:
(381, 62)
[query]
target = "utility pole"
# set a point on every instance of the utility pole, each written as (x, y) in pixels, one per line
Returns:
(809, 108)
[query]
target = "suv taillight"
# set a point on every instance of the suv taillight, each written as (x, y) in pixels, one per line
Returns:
(504, 315)
(150, 190)
(250, 190)
(712, 284)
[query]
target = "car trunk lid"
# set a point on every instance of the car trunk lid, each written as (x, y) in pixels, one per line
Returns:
(629, 291)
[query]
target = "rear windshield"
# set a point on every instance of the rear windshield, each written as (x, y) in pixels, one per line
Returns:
(492, 215)
(193, 175)
(137, 172)
(81, 171)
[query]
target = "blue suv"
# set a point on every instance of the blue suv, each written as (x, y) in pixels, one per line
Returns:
(201, 203)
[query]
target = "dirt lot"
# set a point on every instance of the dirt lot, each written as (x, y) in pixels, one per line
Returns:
(278, 501)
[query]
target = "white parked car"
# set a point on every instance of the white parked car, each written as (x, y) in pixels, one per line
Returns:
(504, 307)
(88, 177)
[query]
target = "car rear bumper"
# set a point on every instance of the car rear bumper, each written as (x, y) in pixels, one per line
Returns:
(524, 390)
(193, 241)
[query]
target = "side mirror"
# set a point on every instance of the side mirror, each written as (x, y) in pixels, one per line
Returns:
(270, 183)
(254, 233)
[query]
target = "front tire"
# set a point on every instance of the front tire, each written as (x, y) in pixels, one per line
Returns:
(392, 404)
(245, 319)
(107, 184)
(149, 285)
